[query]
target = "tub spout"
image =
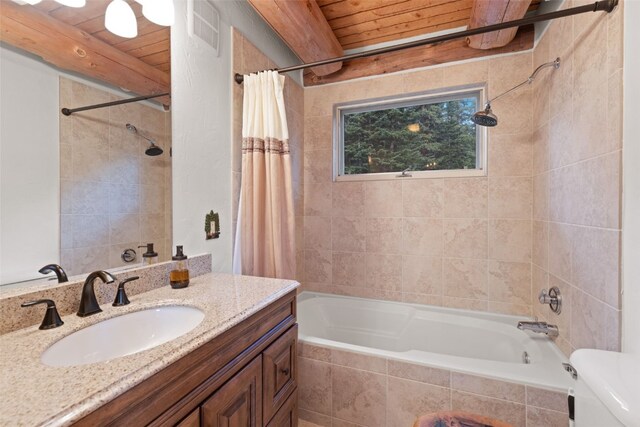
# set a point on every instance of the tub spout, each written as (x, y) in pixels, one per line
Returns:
(539, 328)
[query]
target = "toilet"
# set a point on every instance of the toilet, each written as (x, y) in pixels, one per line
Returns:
(607, 390)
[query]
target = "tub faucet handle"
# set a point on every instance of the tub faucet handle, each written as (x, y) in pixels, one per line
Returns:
(551, 297)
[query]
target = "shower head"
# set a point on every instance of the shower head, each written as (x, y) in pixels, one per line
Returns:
(154, 150)
(485, 117)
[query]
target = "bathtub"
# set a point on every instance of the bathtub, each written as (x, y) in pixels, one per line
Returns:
(484, 344)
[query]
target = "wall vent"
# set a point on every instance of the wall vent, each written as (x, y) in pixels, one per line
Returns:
(204, 22)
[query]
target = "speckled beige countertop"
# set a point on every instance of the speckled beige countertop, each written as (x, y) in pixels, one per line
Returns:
(35, 394)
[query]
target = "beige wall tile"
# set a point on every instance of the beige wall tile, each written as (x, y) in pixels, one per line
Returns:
(314, 385)
(465, 238)
(593, 323)
(383, 199)
(348, 234)
(467, 73)
(514, 113)
(510, 197)
(541, 197)
(408, 400)
(124, 228)
(384, 235)
(510, 282)
(540, 142)
(508, 71)
(510, 240)
(317, 233)
(540, 244)
(487, 387)
(503, 410)
(318, 132)
(465, 198)
(317, 199)
(561, 250)
(383, 271)
(465, 303)
(318, 166)
(348, 269)
(359, 396)
(510, 155)
(348, 198)
(422, 275)
(465, 278)
(423, 198)
(423, 80)
(422, 236)
(317, 266)
(312, 419)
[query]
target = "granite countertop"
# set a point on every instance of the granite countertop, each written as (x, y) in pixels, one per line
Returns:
(37, 394)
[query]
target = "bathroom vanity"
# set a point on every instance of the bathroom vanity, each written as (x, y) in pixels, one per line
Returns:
(237, 367)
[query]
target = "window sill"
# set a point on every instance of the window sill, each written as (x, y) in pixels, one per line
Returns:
(436, 174)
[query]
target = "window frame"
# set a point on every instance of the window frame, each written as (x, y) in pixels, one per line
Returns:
(406, 100)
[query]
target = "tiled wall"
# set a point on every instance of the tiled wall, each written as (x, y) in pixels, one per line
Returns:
(459, 242)
(246, 59)
(577, 177)
(344, 389)
(112, 195)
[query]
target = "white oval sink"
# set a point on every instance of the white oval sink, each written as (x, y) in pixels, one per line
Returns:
(123, 335)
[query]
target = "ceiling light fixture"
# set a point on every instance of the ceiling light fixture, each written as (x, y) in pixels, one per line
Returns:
(159, 12)
(72, 3)
(120, 19)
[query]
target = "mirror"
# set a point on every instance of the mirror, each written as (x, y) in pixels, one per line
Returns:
(79, 190)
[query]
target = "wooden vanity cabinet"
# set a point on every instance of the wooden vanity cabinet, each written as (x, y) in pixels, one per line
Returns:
(245, 377)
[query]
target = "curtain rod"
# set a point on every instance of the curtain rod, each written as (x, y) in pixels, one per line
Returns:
(604, 5)
(68, 112)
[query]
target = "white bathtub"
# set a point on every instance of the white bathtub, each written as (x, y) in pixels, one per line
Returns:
(479, 343)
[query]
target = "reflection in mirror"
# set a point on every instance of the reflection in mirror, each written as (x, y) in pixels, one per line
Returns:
(80, 190)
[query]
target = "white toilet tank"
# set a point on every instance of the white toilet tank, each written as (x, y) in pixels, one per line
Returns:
(607, 391)
(589, 410)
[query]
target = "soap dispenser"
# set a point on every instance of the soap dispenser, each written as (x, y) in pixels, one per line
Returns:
(179, 275)
(149, 257)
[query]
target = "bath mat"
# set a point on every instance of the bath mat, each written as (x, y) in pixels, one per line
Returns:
(458, 419)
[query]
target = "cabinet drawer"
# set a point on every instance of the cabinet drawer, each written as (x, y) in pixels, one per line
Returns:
(287, 415)
(238, 402)
(279, 369)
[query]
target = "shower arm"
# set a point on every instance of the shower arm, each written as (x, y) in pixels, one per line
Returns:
(144, 137)
(555, 64)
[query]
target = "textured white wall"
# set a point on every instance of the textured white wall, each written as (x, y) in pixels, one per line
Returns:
(29, 167)
(631, 184)
(201, 125)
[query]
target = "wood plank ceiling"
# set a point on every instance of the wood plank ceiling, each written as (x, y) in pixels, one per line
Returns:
(361, 23)
(152, 45)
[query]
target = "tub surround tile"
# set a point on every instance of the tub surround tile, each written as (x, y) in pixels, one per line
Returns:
(348, 234)
(225, 299)
(348, 198)
(422, 236)
(348, 269)
(486, 387)
(312, 419)
(510, 197)
(510, 282)
(549, 399)
(317, 200)
(421, 275)
(510, 240)
(514, 413)
(314, 386)
(383, 272)
(359, 361)
(465, 198)
(384, 235)
(464, 278)
(538, 417)
(383, 199)
(423, 198)
(510, 155)
(424, 374)
(407, 398)
(465, 238)
(359, 396)
(317, 233)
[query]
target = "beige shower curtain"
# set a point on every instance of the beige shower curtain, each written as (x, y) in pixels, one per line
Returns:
(265, 232)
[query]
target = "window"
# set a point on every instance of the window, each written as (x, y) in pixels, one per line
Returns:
(426, 135)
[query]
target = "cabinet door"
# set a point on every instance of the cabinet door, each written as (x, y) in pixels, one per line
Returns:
(279, 367)
(191, 420)
(238, 403)
(287, 416)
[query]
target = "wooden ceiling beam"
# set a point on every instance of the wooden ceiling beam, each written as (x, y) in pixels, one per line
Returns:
(303, 27)
(486, 12)
(417, 57)
(72, 49)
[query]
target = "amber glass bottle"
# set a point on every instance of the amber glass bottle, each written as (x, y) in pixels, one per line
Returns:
(179, 275)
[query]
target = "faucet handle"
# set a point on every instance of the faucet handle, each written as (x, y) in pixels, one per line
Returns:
(51, 317)
(553, 298)
(121, 295)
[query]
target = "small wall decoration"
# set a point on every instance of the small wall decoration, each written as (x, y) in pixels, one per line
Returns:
(212, 225)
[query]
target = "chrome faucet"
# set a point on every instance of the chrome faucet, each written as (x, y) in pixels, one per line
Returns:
(88, 302)
(539, 328)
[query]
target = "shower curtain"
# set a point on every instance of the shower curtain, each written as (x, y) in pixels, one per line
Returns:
(265, 231)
